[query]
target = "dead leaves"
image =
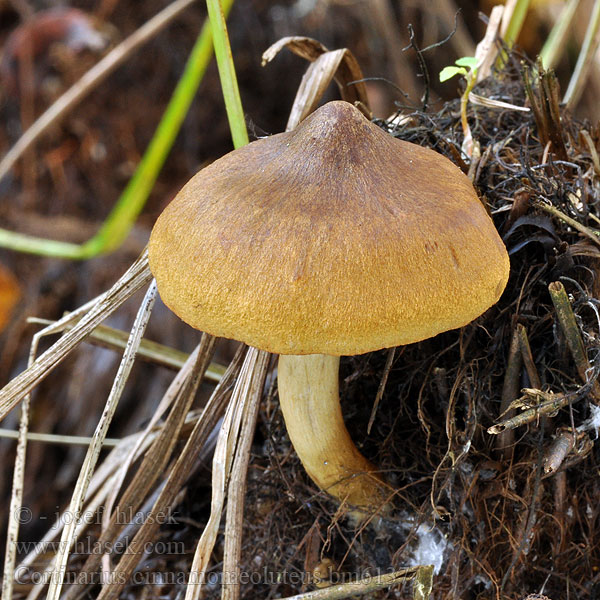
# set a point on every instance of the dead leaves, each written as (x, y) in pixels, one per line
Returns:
(327, 65)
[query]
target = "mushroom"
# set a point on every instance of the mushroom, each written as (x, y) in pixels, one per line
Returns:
(332, 239)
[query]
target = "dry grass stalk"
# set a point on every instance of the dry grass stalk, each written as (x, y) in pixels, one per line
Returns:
(103, 481)
(81, 487)
(174, 394)
(18, 477)
(98, 490)
(486, 50)
(183, 389)
(236, 489)
(528, 362)
(222, 464)
(585, 59)
(96, 311)
(54, 438)
(591, 234)
(592, 150)
(16, 498)
(177, 475)
(150, 351)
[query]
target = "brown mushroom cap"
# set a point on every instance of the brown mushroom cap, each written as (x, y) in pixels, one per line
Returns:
(334, 238)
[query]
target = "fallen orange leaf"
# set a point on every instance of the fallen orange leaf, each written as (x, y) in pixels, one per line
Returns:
(10, 292)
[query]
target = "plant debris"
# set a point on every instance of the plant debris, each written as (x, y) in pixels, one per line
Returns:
(517, 514)
(509, 512)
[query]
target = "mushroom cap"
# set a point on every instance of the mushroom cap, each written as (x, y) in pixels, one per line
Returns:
(334, 238)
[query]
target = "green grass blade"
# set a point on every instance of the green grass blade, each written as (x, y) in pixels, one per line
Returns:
(30, 244)
(514, 28)
(119, 222)
(231, 92)
(555, 43)
(585, 58)
(516, 22)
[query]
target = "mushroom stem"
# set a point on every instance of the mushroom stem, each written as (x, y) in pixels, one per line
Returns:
(309, 398)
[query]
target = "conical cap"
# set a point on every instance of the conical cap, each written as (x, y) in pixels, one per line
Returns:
(334, 238)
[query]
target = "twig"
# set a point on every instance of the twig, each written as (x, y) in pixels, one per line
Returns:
(510, 391)
(568, 324)
(447, 11)
(550, 404)
(422, 66)
(384, 377)
(422, 575)
(448, 37)
(551, 210)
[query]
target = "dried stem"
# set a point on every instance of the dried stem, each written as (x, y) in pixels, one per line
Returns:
(153, 352)
(87, 469)
(568, 325)
(422, 577)
(136, 277)
(510, 391)
(237, 485)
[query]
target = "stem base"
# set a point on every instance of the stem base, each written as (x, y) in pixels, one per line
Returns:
(309, 398)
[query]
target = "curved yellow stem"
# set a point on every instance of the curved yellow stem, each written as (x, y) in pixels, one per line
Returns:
(309, 398)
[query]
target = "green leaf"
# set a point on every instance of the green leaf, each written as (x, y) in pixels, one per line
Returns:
(449, 72)
(467, 61)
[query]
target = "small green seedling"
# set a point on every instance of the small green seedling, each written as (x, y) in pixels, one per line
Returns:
(467, 67)
(460, 68)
